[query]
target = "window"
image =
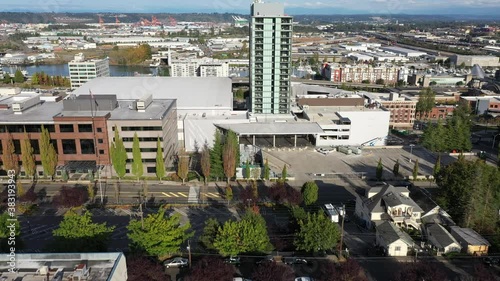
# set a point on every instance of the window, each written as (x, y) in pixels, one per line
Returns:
(85, 128)
(101, 151)
(36, 148)
(66, 128)
(99, 130)
(149, 128)
(69, 146)
(100, 141)
(54, 144)
(87, 146)
(397, 248)
(151, 170)
(142, 149)
(140, 139)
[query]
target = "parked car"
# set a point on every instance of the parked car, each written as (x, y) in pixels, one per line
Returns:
(294, 260)
(176, 262)
(491, 261)
(266, 259)
(240, 279)
(304, 279)
(233, 260)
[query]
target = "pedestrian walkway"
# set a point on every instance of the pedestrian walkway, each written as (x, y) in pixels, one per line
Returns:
(194, 195)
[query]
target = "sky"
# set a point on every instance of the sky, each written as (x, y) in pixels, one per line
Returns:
(487, 7)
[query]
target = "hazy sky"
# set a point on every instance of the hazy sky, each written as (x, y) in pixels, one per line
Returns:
(242, 6)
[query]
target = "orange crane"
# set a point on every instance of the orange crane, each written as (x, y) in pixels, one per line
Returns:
(155, 21)
(117, 20)
(101, 21)
(172, 21)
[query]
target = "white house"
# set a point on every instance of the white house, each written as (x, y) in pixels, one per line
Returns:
(389, 203)
(394, 241)
(441, 239)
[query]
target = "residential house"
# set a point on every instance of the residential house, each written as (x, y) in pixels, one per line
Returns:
(389, 203)
(393, 240)
(438, 216)
(471, 242)
(441, 239)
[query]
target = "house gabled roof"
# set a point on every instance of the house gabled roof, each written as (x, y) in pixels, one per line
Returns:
(390, 233)
(442, 238)
(374, 203)
(393, 199)
(470, 236)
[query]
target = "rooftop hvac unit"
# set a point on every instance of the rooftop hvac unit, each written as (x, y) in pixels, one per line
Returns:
(43, 270)
(22, 105)
(144, 102)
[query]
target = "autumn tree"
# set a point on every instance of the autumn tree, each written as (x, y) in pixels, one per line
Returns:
(284, 173)
(137, 165)
(160, 163)
(68, 197)
(78, 233)
(160, 235)
(417, 271)
(209, 269)
(272, 271)
(229, 160)
(48, 154)
(205, 162)
(118, 155)
(10, 159)
(216, 163)
(183, 165)
(28, 157)
(141, 268)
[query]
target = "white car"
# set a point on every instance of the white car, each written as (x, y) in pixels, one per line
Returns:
(240, 279)
(304, 279)
(176, 262)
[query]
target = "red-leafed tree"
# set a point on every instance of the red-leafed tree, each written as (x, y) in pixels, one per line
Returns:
(418, 271)
(71, 197)
(272, 271)
(285, 194)
(481, 273)
(144, 269)
(349, 270)
(209, 269)
(30, 196)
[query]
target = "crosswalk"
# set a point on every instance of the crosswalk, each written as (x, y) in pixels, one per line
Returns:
(186, 194)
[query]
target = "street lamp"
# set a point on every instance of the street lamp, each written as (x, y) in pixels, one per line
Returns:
(411, 151)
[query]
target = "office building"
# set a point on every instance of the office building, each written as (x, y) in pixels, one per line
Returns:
(82, 70)
(64, 266)
(402, 108)
(199, 68)
(270, 58)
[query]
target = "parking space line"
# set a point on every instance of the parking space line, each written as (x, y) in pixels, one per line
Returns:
(182, 194)
(166, 194)
(174, 194)
(212, 194)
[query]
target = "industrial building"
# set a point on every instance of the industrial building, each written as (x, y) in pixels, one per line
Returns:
(82, 70)
(403, 51)
(469, 61)
(270, 58)
(64, 266)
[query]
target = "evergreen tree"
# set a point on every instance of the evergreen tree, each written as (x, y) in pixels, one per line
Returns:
(48, 154)
(267, 170)
(27, 157)
(284, 173)
(380, 170)
(229, 194)
(34, 79)
(160, 163)
(247, 170)
(216, 165)
(437, 166)
(395, 170)
(137, 167)
(205, 162)
(426, 102)
(415, 170)
(210, 231)
(19, 77)
(7, 79)
(10, 159)
(118, 155)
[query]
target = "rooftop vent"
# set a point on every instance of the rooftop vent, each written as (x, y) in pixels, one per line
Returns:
(20, 106)
(144, 102)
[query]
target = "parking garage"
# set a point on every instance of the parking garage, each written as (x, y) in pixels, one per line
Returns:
(275, 134)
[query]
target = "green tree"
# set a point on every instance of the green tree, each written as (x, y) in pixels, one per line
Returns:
(380, 170)
(34, 79)
(229, 194)
(27, 156)
(437, 166)
(415, 170)
(205, 162)
(91, 191)
(216, 164)
(7, 79)
(137, 166)
(426, 101)
(6, 227)
(395, 169)
(183, 165)
(310, 192)
(317, 233)
(229, 159)
(118, 155)
(160, 163)
(10, 159)
(160, 235)
(19, 77)
(210, 231)
(244, 236)
(78, 233)
(48, 154)
(267, 170)
(284, 173)
(380, 81)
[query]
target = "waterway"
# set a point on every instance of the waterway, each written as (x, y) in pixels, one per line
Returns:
(62, 70)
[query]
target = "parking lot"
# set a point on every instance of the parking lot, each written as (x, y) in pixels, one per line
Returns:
(305, 163)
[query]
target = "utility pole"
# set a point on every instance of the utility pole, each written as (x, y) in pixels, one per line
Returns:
(189, 253)
(342, 232)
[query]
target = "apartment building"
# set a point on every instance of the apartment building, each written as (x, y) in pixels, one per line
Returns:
(199, 68)
(82, 70)
(402, 108)
(360, 73)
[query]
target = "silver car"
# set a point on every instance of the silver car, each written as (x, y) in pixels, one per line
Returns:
(176, 262)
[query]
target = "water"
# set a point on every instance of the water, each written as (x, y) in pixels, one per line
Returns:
(62, 70)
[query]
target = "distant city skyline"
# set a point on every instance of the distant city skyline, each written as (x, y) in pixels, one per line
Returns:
(477, 7)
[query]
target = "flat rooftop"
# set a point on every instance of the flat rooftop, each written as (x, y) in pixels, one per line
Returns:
(30, 267)
(330, 114)
(155, 111)
(42, 113)
(274, 128)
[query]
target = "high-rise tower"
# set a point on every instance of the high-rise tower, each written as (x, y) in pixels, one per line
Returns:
(270, 58)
